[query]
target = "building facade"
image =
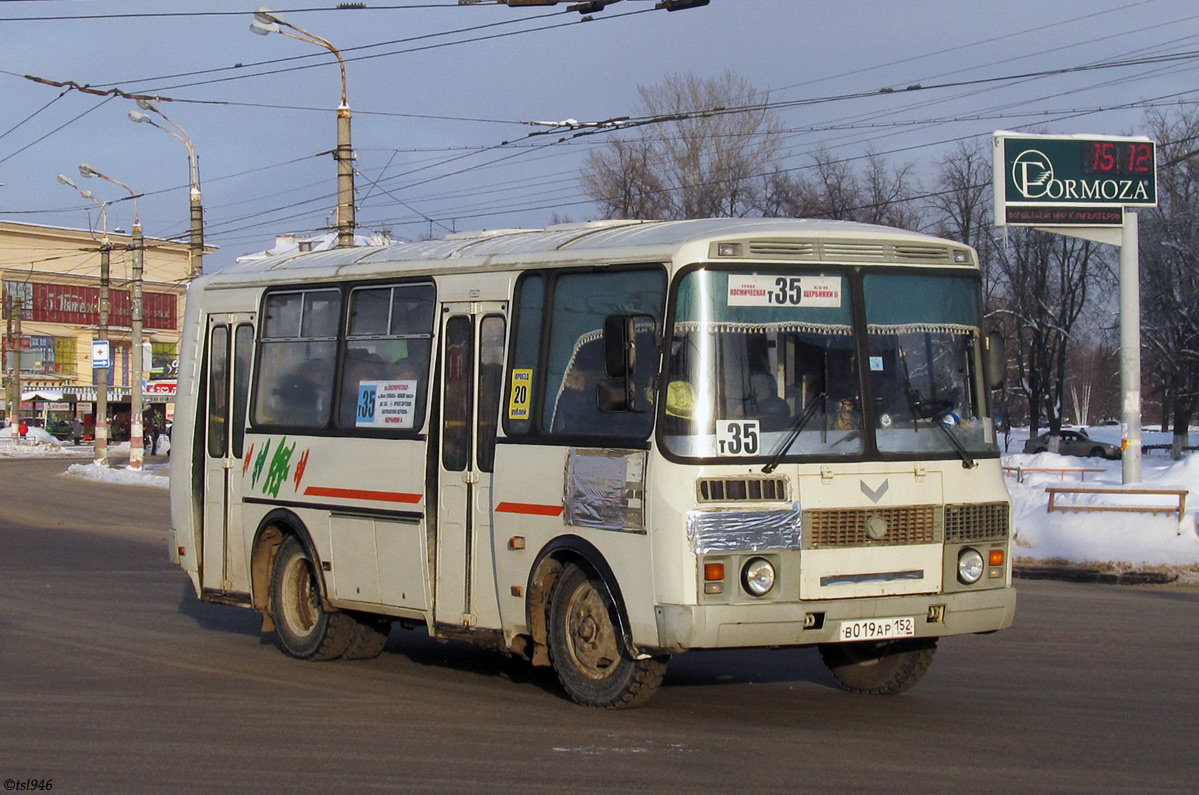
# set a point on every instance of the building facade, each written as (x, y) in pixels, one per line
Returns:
(51, 315)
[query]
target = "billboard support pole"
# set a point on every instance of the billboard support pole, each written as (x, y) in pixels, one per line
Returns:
(1130, 350)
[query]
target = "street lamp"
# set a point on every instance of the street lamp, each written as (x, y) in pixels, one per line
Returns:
(136, 440)
(196, 244)
(267, 22)
(101, 373)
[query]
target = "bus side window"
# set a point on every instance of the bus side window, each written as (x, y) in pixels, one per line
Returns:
(526, 350)
(388, 339)
(459, 381)
(294, 386)
(491, 377)
(243, 349)
(575, 365)
(218, 392)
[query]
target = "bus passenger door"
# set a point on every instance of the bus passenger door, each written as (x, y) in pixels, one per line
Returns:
(230, 351)
(472, 348)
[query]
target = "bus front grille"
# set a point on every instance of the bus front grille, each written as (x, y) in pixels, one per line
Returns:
(871, 527)
(979, 522)
(741, 489)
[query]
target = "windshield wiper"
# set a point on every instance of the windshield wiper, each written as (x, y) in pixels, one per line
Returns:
(797, 425)
(934, 411)
(967, 461)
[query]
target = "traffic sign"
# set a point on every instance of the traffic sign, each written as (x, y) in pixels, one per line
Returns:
(100, 353)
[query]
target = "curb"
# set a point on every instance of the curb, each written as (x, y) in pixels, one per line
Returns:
(1079, 574)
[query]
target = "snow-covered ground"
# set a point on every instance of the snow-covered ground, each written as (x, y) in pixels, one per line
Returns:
(1118, 541)
(40, 444)
(1109, 539)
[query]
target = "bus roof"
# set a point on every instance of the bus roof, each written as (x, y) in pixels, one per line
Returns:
(624, 240)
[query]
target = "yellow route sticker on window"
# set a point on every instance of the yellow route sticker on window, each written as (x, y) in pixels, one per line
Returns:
(521, 397)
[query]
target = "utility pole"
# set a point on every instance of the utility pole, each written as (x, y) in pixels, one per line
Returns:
(8, 360)
(196, 241)
(345, 177)
(136, 438)
(267, 22)
(101, 373)
(16, 358)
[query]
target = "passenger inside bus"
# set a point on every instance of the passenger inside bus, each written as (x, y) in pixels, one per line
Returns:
(577, 410)
(304, 395)
(765, 404)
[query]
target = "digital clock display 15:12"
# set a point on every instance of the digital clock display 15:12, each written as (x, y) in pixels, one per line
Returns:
(1117, 158)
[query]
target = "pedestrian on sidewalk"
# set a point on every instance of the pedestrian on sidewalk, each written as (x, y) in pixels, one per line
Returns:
(77, 431)
(23, 429)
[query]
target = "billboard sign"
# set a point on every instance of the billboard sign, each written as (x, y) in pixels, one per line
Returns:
(1071, 180)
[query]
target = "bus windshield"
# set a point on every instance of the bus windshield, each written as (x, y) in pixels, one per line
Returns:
(767, 365)
(923, 337)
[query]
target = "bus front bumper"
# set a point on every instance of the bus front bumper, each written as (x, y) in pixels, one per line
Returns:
(682, 627)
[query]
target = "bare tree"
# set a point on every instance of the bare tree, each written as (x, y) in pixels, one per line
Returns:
(622, 179)
(1170, 280)
(832, 188)
(704, 153)
(961, 205)
(1047, 281)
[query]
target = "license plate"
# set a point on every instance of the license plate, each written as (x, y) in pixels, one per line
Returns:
(878, 628)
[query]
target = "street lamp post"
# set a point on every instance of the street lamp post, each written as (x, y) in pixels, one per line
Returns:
(100, 424)
(196, 242)
(136, 434)
(267, 22)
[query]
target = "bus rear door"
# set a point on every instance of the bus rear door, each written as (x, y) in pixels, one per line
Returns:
(230, 352)
(472, 346)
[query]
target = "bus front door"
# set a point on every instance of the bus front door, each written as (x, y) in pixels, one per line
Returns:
(472, 353)
(230, 350)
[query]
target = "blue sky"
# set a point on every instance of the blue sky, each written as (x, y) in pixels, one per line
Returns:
(441, 118)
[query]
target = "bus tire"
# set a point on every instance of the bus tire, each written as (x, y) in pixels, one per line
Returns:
(587, 647)
(304, 628)
(369, 638)
(879, 668)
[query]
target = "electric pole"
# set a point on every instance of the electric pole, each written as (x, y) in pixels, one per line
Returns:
(16, 357)
(8, 399)
(101, 379)
(136, 438)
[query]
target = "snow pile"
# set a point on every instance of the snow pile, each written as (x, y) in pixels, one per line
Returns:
(151, 475)
(36, 444)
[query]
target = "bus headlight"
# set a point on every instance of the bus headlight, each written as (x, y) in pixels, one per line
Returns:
(758, 576)
(970, 566)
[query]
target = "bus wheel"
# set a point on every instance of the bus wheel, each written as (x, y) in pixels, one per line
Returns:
(370, 636)
(588, 650)
(304, 628)
(879, 668)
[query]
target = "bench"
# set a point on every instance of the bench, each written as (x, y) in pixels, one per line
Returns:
(1178, 494)
(1149, 448)
(1081, 471)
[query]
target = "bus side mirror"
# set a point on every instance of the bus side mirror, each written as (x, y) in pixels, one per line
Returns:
(617, 392)
(620, 346)
(995, 360)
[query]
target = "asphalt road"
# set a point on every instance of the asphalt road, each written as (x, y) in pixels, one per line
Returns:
(115, 678)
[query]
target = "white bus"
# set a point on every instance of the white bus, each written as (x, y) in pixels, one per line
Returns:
(597, 445)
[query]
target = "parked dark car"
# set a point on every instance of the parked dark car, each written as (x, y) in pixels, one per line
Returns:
(1073, 443)
(59, 430)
